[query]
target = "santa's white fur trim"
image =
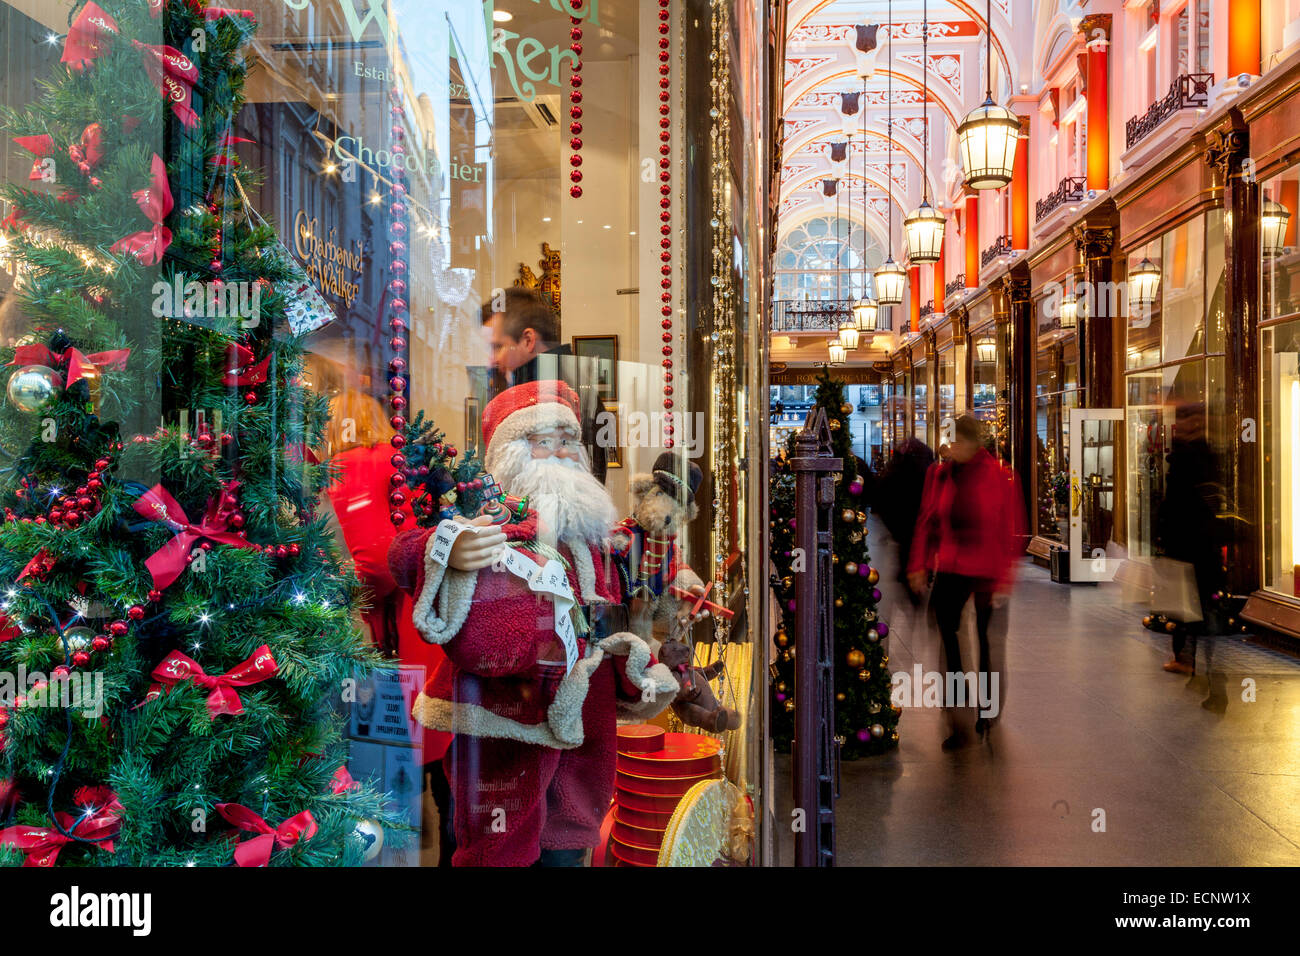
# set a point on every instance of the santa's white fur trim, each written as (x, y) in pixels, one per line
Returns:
(453, 596)
(562, 728)
(527, 421)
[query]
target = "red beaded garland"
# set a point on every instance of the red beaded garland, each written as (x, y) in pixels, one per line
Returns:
(397, 306)
(575, 97)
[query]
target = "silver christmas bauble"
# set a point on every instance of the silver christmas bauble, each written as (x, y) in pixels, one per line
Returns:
(873, 636)
(78, 638)
(32, 387)
(372, 837)
(877, 730)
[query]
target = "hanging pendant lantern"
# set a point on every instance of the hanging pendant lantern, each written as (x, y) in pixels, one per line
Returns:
(986, 350)
(923, 230)
(849, 333)
(891, 279)
(1273, 219)
(1144, 284)
(865, 313)
(1069, 310)
(986, 145)
(838, 354)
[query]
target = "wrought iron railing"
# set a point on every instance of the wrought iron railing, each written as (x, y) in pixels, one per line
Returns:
(824, 315)
(927, 310)
(955, 286)
(1000, 247)
(1187, 91)
(1071, 189)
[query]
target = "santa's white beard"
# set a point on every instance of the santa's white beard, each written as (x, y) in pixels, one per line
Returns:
(571, 505)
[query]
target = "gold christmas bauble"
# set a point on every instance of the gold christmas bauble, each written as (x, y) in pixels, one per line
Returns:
(790, 651)
(1146, 621)
(787, 581)
(856, 658)
(864, 675)
(789, 705)
(885, 659)
(846, 409)
(32, 387)
(839, 602)
(873, 577)
(862, 517)
(834, 424)
(782, 639)
(785, 655)
(780, 687)
(848, 516)
(840, 696)
(1171, 626)
(851, 567)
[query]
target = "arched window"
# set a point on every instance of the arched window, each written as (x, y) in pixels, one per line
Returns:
(806, 260)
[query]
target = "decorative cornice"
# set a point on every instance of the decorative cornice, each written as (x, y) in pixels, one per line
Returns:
(1093, 241)
(1093, 22)
(1225, 149)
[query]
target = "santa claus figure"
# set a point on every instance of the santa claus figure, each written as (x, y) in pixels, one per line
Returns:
(539, 662)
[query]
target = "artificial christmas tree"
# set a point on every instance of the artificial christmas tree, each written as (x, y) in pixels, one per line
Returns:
(177, 584)
(864, 715)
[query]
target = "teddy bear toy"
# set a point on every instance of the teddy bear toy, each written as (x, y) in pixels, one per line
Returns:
(695, 705)
(646, 542)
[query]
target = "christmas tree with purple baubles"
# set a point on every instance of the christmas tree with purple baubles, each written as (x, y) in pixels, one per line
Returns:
(864, 716)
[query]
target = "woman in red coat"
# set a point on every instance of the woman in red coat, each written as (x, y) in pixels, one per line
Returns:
(968, 535)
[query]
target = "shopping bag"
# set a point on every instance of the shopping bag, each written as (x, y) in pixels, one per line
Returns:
(1175, 591)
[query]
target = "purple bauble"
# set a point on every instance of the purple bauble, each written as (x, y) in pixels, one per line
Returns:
(863, 736)
(882, 628)
(875, 594)
(790, 605)
(863, 570)
(792, 523)
(855, 488)
(781, 697)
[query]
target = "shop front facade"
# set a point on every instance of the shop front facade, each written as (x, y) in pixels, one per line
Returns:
(416, 178)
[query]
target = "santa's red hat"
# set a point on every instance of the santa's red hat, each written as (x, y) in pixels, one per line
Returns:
(523, 410)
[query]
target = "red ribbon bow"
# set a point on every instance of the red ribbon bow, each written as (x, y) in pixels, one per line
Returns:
(80, 365)
(167, 563)
(216, 13)
(177, 668)
(40, 147)
(98, 823)
(88, 38)
(240, 367)
(155, 201)
(175, 75)
(342, 781)
(89, 150)
(257, 851)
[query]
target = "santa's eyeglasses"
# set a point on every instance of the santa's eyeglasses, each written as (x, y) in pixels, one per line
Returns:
(554, 443)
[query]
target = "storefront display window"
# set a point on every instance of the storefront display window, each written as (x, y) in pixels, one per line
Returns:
(1057, 391)
(456, 253)
(921, 401)
(1280, 250)
(1280, 365)
(947, 386)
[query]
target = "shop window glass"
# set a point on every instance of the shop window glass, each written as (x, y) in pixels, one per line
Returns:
(1216, 314)
(1182, 291)
(1143, 325)
(947, 386)
(921, 401)
(1281, 266)
(1280, 399)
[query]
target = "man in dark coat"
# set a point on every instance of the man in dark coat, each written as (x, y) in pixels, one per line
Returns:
(525, 338)
(898, 499)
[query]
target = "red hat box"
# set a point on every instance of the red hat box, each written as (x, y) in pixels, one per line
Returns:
(640, 738)
(645, 802)
(674, 787)
(634, 856)
(642, 818)
(636, 836)
(682, 755)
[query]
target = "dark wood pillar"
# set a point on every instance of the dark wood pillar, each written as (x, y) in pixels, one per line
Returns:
(1226, 149)
(1015, 290)
(932, 390)
(1097, 329)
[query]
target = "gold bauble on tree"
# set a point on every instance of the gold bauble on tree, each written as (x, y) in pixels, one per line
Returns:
(864, 676)
(834, 424)
(862, 517)
(840, 696)
(839, 602)
(873, 577)
(789, 705)
(851, 567)
(846, 409)
(848, 515)
(856, 658)
(782, 639)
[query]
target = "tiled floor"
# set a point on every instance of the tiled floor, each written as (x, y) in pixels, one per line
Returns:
(1184, 770)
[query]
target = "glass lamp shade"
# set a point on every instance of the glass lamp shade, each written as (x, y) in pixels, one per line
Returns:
(1144, 284)
(890, 282)
(1069, 310)
(838, 354)
(986, 350)
(924, 232)
(1273, 220)
(865, 312)
(986, 143)
(849, 334)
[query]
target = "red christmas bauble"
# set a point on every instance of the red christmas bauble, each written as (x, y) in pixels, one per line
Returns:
(135, 612)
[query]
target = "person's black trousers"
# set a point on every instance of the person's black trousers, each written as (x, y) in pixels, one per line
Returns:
(948, 597)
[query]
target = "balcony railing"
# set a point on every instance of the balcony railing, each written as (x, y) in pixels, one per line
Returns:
(822, 315)
(927, 310)
(955, 286)
(1187, 91)
(1071, 189)
(999, 248)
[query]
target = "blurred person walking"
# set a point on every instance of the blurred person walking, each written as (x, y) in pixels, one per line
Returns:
(897, 499)
(968, 536)
(1188, 528)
